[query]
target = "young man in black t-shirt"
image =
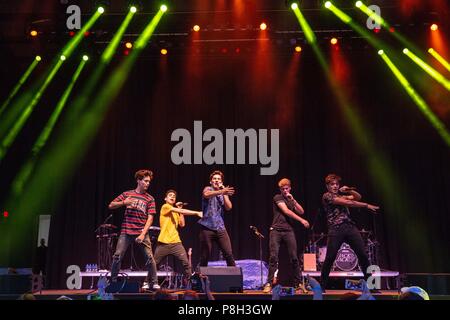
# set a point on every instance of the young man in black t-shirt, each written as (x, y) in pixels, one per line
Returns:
(285, 210)
(341, 227)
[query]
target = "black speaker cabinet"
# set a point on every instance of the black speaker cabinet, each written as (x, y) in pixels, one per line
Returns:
(123, 285)
(224, 279)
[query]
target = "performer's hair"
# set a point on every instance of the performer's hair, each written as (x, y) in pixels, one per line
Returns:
(284, 182)
(220, 173)
(332, 177)
(141, 174)
(171, 191)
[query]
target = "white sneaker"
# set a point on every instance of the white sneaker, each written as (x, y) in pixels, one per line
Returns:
(145, 285)
(156, 287)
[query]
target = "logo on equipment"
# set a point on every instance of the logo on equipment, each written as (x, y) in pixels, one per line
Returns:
(346, 259)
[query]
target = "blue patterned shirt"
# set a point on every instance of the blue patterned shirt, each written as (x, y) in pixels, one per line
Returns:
(213, 210)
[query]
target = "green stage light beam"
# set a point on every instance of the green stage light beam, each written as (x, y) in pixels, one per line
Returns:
(85, 95)
(12, 134)
(418, 100)
(310, 36)
(59, 162)
(22, 80)
(142, 41)
(309, 33)
(439, 58)
(111, 49)
(428, 69)
(27, 168)
(380, 170)
(25, 98)
(75, 41)
(355, 26)
(382, 22)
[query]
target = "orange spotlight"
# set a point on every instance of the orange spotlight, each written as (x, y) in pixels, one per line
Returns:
(33, 33)
(263, 26)
(196, 28)
(434, 27)
(298, 49)
(163, 51)
(334, 41)
(128, 45)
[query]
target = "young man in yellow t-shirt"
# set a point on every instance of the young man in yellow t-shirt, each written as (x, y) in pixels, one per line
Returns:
(169, 243)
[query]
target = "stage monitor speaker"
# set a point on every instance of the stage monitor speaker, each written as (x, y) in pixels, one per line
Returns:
(15, 284)
(123, 286)
(224, 279)
(309, 262)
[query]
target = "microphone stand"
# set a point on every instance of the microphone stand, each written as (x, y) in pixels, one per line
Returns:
(260, 237)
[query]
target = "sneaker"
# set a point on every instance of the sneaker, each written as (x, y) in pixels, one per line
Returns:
(301, 288)
(145, 285)
(267, 288)
(156, 286)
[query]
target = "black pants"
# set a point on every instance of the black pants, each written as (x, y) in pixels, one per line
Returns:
(207, 237)
(348, 233)
(175, 249)
(275, 240)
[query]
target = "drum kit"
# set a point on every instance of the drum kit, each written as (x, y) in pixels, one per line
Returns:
(346, 259)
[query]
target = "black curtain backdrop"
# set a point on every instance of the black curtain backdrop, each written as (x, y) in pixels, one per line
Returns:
(241, 92)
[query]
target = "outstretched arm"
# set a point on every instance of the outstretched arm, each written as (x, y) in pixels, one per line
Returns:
(187, 212)
(355, 204)
(283, 207)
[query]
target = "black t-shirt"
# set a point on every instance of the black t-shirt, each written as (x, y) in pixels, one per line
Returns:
(336, 214)
(281, 222)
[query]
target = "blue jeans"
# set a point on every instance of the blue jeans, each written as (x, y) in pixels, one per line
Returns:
(122, 245)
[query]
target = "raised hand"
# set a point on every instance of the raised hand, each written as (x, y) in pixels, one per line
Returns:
(373, 208)
(229, 191)
(179, 204)
(128, 201)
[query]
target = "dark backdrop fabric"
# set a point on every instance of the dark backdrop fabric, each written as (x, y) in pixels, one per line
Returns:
(237, 92)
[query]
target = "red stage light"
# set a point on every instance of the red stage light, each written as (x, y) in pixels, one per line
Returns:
(434, 27)
(391, 29)
(6, 214)
(87, 34)
(238, 50)
(196, 28)
(377, 30)
(71, 33)
(334, 41)
(263, 26)
(224, 50)
(126, 52)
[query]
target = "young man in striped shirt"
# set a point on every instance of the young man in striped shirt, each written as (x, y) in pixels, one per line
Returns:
(139, 212)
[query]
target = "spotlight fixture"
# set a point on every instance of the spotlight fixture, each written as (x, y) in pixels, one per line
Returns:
(196, 28)
(263, 26)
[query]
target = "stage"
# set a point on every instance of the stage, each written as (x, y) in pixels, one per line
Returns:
(246, 295)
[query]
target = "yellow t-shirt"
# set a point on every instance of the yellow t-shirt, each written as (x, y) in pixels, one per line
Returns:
(168, 221)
